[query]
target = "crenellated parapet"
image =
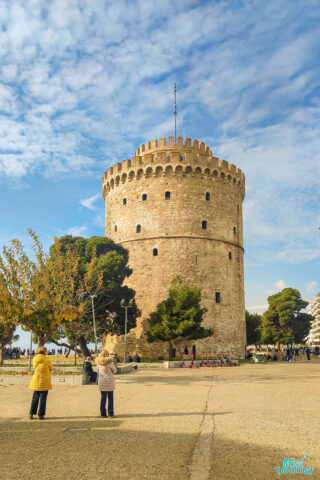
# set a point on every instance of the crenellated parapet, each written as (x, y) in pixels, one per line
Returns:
(195, 145)
(161, 158)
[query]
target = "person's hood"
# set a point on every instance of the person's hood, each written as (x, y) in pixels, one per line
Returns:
(38, 359)
(103, 360)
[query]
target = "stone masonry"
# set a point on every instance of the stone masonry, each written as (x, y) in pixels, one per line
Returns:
(178, 210)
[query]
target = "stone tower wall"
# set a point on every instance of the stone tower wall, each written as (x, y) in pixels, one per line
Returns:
(202, 188)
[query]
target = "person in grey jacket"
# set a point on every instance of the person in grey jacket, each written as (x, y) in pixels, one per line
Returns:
(106, 382)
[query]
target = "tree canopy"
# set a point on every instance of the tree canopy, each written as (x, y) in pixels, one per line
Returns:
(107, 274)
(179, 316)
(50, 295)
(284, 322)
(253, 328)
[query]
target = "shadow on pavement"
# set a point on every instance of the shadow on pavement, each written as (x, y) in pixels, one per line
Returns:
(234, 460)
(93, 450)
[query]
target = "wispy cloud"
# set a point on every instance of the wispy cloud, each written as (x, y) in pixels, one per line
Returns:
(312, 288)
(89, 202)
(257, 308)
(78, 231)
(280, 284)
(80, 90)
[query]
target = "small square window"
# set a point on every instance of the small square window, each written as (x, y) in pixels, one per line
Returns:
(218, 297)
(230, 255)
(155, 252)
(204, 224)
(167, 196)
(124, 201)
(207, 196)
(234, 230)
(138, 228)
(144, 197)
(115, 228)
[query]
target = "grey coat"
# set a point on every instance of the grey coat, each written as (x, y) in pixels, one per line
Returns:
(107, 369)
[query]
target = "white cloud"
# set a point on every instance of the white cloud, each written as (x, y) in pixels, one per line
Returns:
(89, 202)
(77, 231)
(312, 288)
(280, 284)
(257, 308)
(83, 83)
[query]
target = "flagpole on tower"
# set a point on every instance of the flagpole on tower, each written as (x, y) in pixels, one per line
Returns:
(175, 113)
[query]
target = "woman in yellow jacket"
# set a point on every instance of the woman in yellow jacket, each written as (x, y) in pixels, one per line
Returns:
(40, 383)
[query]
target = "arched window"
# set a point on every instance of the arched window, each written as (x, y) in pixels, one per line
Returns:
(167, 195)
(155, 252)
(115, 228)
(234, 230)
(207, 196)
(138, 228)
(181, 158)
(230, 255)
(218, 297)
(204, 224)
(144, 197)
(124, 201)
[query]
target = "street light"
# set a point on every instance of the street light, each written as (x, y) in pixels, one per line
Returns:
(123, 305)
(94, 323)
(30, 351)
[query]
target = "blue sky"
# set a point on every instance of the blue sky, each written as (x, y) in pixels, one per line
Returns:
(84, 83)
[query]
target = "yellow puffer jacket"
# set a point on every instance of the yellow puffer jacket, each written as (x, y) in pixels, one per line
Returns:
(41, 379)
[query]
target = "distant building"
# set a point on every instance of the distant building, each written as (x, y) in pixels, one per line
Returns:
(178, 210)
(314, 309)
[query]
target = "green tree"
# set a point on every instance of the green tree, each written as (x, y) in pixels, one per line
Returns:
(13, 282)
(6, 336)
(104, 278)
(38, 294)
(284, 322)
(253, 328)
(179, 316)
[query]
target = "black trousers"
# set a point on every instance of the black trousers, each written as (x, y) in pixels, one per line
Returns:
(42, 396)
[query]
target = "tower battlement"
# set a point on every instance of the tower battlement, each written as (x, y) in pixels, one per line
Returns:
(195, 145)
(162, 158)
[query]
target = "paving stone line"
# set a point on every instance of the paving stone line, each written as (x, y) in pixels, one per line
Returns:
(202, 455)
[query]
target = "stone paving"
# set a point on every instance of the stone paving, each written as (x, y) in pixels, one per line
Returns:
(200, 424)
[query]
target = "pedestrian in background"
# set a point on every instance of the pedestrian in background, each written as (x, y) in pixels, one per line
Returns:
(194, 352)
(40, 383)
(106, 382)
(89, 375)
(186, 352)
(308, 351)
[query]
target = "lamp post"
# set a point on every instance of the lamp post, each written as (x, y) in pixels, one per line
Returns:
(94, 323)
(123, 305)
(30, 352)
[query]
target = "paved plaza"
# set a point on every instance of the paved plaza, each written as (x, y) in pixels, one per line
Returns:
(200, 424)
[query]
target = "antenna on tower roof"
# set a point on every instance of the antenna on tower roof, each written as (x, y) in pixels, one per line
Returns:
(175, 113)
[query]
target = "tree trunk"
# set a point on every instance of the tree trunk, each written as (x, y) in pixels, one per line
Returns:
(41, 340)
(83, 347)
(170, 352)
(75, 352)
(1, 354)
(68, 352)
